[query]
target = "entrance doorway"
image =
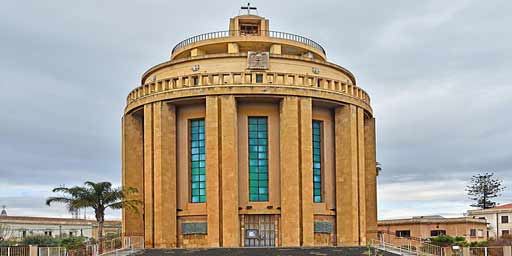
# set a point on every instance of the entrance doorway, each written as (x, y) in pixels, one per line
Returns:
(259, 230)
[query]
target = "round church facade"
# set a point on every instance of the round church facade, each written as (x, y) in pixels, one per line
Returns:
(249, 137)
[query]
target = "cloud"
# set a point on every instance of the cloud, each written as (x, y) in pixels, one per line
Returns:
(437, 73)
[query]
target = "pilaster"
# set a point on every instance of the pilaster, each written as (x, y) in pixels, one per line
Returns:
(361, 170)
(371, 178)
(306, 173)
(289, 167)
(164, 133)
(347, 220)
(148, 176)
(212, 124)
(229, 172)
(133, 171)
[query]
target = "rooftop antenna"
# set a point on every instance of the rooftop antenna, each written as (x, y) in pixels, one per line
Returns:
(249, 8)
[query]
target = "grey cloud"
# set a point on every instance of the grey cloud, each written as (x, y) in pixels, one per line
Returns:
(437, 72)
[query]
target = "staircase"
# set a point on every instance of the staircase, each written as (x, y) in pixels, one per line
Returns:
(406, 246)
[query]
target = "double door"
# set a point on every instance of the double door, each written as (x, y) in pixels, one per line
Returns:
(259, 230)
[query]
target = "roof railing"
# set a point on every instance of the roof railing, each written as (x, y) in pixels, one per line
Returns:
(235, 33)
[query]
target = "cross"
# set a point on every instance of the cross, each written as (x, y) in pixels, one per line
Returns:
(248, 8)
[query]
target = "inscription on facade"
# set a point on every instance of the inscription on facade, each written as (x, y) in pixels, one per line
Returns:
(257, 60)
(324, 227)
(194, 228)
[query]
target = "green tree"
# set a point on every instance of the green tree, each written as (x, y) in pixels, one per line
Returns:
(483, 189)
(98, 196)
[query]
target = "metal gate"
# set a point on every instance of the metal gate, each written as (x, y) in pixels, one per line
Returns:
(259, 230)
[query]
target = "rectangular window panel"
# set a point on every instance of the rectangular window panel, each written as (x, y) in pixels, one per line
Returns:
(197, 161)
(317, 161)
(258, 159)
(259, 78)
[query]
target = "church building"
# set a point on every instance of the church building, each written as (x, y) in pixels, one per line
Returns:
(250, 137)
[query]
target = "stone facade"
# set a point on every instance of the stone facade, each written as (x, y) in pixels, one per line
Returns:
(424, 227)
(288, 84)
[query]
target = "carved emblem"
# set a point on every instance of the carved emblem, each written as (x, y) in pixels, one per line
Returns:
(257, 60)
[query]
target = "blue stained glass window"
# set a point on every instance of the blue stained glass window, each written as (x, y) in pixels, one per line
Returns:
(317, 161)
(258, 159)
(197, 161)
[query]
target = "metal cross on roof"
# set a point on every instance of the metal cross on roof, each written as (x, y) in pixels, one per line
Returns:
(248, 8)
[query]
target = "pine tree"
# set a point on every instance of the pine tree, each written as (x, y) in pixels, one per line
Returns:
(483, 189)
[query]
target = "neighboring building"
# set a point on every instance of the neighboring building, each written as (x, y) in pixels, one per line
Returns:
(250, 137)
(499, 219)
(18, 227)
(423, 227)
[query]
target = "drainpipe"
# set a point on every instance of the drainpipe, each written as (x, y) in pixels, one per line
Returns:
(497, 227)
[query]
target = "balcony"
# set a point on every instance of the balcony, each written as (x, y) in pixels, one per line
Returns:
(237, 33)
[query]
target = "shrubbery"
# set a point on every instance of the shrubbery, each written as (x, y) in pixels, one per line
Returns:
(40, 240)
(445, 240)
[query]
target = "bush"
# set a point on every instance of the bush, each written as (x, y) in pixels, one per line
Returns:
(445, 240)
(479, 244)
(40, 240)
(73, 242)
(6, 243)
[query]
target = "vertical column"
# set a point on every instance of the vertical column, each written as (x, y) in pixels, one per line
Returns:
(306, 165)
(361, 176)
(133, 171)
(347, 223)
(229, 173)
(371, 178)
(289, 166)
(148, 176)
(212, 168)
(165, 175)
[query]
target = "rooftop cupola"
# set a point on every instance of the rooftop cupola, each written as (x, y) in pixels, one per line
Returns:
(248, 33)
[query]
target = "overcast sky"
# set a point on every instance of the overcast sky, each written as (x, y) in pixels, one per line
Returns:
(438, 73)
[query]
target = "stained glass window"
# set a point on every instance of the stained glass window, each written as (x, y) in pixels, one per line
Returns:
(258, 159)
(197, 161)
(317, 161)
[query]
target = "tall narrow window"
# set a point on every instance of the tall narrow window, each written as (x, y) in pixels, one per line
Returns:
(259, 78)
(258, 159)
(197, 161)
(317, 161)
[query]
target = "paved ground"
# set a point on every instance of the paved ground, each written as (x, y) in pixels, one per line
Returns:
(313, 251)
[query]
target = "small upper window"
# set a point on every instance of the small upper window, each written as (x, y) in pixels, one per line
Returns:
(248, 29)
(504, 219)
(259, 78)
(438, 233)
(472, 232)
(403, 233)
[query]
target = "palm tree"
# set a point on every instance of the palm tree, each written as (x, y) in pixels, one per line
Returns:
(99, 196)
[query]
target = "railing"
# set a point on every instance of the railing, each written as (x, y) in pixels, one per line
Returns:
(15, 251)
(129, 245)
(486, 251)
(406, 246)
(235, 33)
(52, 251)
(237, 78)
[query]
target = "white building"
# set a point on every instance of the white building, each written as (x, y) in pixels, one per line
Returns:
(499, 219)
(18, 227)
